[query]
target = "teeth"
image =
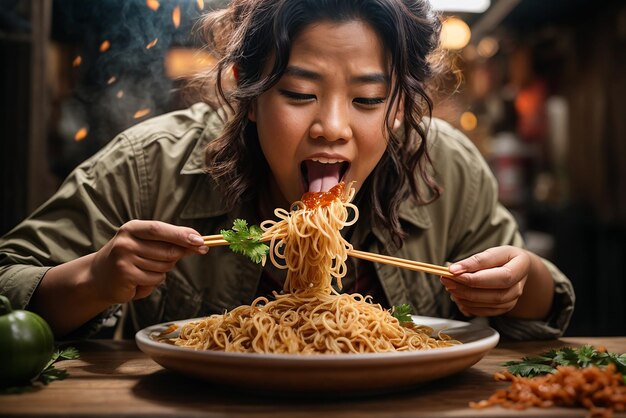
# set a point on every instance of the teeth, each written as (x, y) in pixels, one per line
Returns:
(326, 160)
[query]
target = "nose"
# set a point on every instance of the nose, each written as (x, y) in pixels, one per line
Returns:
(332, 122)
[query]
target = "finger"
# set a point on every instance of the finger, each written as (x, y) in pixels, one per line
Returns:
(161, 231)
(489, 296)
(483, 312)
(492, 257)
(161, 251)
(468, 304)
(148, 278)
(142, 292)
(154, 266)
(133, 276)
(500, 277)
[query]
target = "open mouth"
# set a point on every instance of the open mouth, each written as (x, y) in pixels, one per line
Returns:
(321, 174)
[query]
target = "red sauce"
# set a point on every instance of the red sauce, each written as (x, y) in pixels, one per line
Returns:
(314, 200)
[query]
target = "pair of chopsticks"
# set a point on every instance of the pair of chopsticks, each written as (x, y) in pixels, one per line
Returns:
(214, 240)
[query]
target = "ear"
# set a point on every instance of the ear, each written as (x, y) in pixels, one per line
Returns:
(252, 111)
(397, 123)
(399, 116)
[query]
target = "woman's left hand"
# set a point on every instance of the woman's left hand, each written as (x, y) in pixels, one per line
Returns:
(489, 283)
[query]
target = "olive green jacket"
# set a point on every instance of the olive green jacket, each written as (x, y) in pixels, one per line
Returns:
(155, 171)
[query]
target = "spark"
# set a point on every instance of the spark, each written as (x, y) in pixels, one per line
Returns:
(105, 46)
(141, 113)
(176, 16)
(80, 134)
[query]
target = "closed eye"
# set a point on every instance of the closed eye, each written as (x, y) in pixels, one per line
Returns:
(296, 96)
(367, 101)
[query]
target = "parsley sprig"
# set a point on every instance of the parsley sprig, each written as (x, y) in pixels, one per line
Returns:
(583, 356)
(402, 313)
(245, 240)
(49, 373)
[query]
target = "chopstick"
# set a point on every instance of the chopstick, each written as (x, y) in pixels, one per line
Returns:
(403, 263)
(215, 240)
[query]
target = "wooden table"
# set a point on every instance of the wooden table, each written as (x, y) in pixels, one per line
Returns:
(114, 378)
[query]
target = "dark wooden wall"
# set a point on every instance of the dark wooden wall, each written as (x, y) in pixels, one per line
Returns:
(26, 181)
(591, 230)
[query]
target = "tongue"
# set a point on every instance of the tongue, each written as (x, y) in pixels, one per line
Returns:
(322, 177)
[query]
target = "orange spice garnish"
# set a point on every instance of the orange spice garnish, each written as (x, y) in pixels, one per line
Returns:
(313, 200)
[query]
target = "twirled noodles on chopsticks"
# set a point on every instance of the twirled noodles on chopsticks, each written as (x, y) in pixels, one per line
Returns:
(310, 316)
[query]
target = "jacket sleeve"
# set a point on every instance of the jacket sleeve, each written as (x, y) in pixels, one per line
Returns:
(485, 223)
(95, 199)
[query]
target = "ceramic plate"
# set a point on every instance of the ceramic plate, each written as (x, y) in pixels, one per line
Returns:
(326, 373)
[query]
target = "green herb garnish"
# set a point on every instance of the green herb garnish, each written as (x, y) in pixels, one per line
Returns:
(48, 374)
(402, 313)
(583, 356)
(245, 240)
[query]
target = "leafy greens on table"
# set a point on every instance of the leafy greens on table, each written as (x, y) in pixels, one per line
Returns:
(583, 356)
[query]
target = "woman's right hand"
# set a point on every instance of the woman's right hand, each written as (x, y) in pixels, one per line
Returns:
(137, 258)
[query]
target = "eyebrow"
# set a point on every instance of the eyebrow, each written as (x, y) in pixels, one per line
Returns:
(312, 75)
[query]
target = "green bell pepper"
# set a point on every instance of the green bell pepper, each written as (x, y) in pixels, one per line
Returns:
(26, 344)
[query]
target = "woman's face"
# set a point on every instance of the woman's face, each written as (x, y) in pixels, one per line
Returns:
(323, 122)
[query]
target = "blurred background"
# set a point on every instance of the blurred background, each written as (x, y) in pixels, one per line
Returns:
(542, 96)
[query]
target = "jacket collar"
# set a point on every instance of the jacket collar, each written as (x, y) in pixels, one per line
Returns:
(414, 214)
(205, 201)
(195, 161)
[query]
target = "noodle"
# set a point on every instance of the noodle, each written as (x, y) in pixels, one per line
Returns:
(310, 316)
(311, 242)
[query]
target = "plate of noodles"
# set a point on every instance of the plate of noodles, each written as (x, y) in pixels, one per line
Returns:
(323, 373)
(311, 338)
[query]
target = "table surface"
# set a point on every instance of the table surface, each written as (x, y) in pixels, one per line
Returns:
(115, 378)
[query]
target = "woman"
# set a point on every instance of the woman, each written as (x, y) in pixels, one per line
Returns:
(325, 91)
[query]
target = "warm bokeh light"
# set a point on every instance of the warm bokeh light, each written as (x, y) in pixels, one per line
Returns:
(468, 121)
(455, 34)
(111, 80)
(80, 134)
(487, 47)
(201, 4)
(104, 46)
(120, 94)
(153, 4)
(183, 62)
(176, 16)
(77, 61)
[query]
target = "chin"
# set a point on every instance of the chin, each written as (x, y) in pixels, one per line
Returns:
(291, 197)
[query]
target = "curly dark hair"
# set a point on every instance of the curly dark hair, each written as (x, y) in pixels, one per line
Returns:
(250, 35)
